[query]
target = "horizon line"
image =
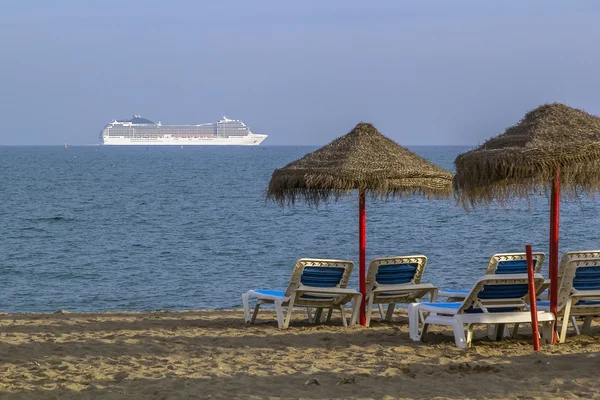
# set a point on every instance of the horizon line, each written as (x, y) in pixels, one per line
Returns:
(202, 146)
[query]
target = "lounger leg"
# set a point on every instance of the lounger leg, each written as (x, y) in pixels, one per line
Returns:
(255, 313)
(424, 332)
(574, 322)
(288, 315)
(309, 314)
(502, 331)
(330, 313)
(279, 312)
(370, 309)
(414, 320)
(515, 330)
(469, 334)
(563, 328)
(354, 311)
(459, 334)
(433, 295)
(356, 302)
(491, 331)
(380, 307)
(565, 321)
(497, 331)
(318, 315)
(246, 305)
(548, 328)
(343, 312)
(390, 311)
(587, 324)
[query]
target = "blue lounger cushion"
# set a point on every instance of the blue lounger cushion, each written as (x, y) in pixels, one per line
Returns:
(456, 305)
(322, 276)
(513, 267)
(452, 305)
(396, 274)
(278, 293)
(281, 293)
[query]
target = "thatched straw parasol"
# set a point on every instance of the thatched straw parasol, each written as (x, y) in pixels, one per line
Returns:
(552, 144)
(365, 160)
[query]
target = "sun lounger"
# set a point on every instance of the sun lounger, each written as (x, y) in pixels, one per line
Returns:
(571, 255)
(578, 292)
(503, 263)
(392, 280)
(495, 299)
(315, 283)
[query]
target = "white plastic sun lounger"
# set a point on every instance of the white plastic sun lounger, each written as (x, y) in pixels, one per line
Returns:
(503, 263)
(392, 280)
(315, 283)
(495, 299)
(578, 292)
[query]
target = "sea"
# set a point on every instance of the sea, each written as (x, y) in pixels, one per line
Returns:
(94, 228)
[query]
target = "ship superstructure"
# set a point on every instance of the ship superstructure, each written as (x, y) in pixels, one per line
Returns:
(141, 131)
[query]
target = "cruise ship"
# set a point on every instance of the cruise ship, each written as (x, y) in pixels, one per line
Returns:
(140, 131)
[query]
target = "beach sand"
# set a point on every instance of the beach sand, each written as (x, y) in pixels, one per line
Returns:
(213, 354)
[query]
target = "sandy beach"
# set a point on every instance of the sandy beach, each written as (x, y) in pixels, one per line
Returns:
(213, 354)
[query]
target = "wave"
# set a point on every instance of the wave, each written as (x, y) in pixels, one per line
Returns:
(57, 218)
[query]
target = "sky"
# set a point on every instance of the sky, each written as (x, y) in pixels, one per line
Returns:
(303, 72)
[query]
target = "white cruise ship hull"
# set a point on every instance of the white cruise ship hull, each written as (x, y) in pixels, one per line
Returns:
(167, 140)
(139, 131)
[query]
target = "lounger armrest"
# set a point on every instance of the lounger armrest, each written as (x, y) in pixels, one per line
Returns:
(404, 288)
(585, 293)
(425, 286)
(544, 285)
(330, 291)
(505, 317)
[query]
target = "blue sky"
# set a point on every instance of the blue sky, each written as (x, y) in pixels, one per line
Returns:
(424, 72)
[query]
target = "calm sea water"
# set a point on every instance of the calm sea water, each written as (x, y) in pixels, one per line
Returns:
(108, 228)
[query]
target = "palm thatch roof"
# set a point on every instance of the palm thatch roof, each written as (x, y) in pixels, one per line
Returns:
(524, 159)
(363, 159)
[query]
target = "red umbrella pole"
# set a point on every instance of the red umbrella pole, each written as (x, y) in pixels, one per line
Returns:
(554, 225)
(362, 245)
(532, 299)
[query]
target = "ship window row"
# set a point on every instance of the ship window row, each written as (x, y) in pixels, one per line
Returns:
(232, 129)
(161, 134)
(174, 132)
(235, 131)
(183, 135)
(167, 131)
(231, 126)
(163, 131)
